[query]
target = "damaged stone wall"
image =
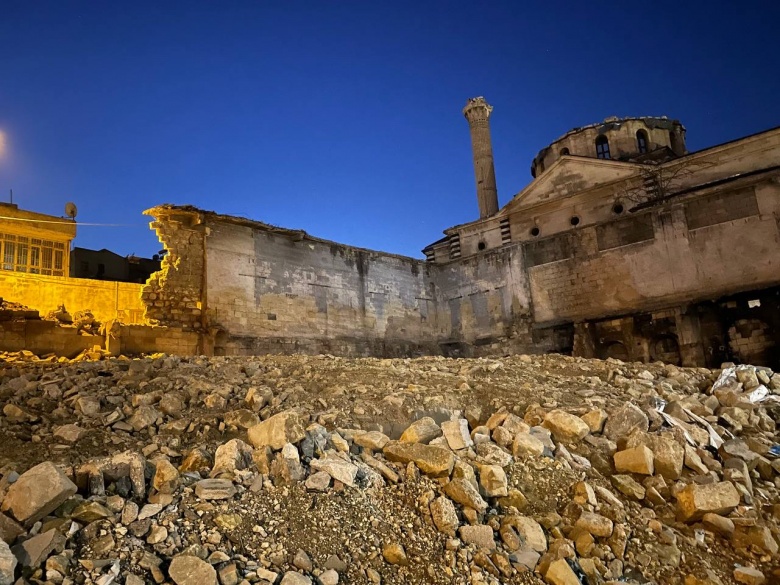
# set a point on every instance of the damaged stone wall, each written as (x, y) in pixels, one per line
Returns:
(263, 290)
(273, 290)
(173, 296)
(731, 252)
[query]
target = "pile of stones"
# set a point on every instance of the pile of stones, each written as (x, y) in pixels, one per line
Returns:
(678, 484)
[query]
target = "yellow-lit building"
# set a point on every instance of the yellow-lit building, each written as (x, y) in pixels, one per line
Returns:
(35, 243)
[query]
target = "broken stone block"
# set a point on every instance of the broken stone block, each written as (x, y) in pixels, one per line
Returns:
(34, 551)
(69, 433)
(278, 430)
(757, 536)
(286, 467)
(626, 485)
(231, 456)
(595, 420)
(463, 492)
(493, 481)
(373, 440)
(637, 460)
(749, 576)
(166, 476)
(432, 461)
(7, 564)
(241, 418)
(718, 524)
(37, 492)
(565, 427)
(338, 468)
(395, 554)
(479, 535)
(595, 524)
(456, 432)
(87, 512)
(215, 489)
(190, 570)
(560, 573)
(444, 515)
(527, 445)
(624, 421)
(529, 530)
(293, 578)
(695, 500)
(9, 529)
(423, 430)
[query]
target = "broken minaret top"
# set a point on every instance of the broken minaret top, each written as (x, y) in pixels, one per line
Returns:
(477, 112)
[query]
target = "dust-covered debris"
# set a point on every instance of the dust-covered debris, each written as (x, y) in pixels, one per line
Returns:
(330, 470)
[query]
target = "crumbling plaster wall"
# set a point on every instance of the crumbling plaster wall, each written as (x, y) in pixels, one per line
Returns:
(272, 291)
(487, 300)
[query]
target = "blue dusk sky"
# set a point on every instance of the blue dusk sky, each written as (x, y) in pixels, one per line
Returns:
(344, 118)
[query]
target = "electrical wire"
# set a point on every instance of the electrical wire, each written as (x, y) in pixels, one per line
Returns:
(65, 222)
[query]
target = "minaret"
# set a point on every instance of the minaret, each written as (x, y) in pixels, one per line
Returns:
(477, 112)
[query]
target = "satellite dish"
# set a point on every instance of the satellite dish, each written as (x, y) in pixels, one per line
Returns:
(70, 210)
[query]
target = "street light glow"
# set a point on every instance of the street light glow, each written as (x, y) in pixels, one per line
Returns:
(3, 143)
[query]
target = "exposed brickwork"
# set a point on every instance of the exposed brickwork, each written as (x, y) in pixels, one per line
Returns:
(750, 340)
(173, 296)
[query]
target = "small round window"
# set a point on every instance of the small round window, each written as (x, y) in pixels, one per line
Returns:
(617, 209)
(575, 220)
(481, 246)
(535, 231)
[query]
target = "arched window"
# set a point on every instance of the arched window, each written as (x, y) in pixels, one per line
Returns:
(641, 141)
(602, 147)
(564, 151)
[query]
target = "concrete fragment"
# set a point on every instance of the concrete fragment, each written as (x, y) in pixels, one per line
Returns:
(37, 492)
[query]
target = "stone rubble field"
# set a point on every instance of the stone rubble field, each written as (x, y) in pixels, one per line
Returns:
(305, 470)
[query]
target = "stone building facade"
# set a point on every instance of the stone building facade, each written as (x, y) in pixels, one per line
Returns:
(624, 244)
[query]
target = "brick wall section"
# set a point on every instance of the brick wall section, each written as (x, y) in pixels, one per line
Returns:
(174, 295)
(625, 232)
(721, 207)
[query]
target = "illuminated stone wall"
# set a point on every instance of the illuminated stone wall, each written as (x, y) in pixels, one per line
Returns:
(107, 300)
